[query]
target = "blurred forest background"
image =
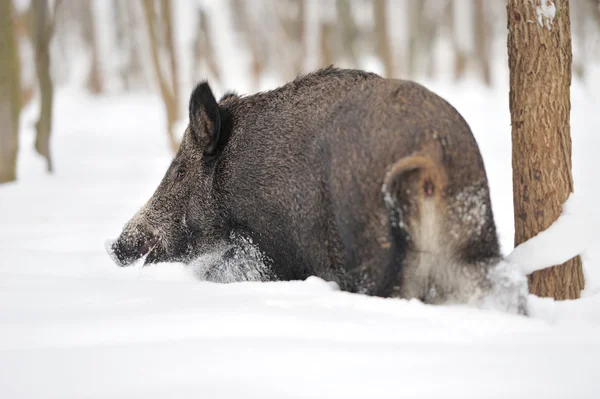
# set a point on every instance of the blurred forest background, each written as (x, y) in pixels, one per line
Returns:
(166, 46)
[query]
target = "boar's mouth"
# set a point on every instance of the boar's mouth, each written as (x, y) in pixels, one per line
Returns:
(126, 250)
(148, 248)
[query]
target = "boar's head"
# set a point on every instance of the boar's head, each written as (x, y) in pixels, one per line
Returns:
(182, 219)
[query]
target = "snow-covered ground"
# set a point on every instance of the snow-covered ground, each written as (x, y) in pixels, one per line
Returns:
(74, 325)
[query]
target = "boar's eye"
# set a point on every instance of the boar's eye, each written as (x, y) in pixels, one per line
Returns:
(180, 174)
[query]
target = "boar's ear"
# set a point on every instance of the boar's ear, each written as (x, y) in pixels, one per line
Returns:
(205, 118)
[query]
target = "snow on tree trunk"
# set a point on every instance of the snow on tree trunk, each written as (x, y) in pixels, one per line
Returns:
(539, 55)
(9, 95)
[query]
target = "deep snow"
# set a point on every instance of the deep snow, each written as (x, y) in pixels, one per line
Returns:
(74, 325)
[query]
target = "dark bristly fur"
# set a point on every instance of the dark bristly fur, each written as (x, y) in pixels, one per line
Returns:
(299, 170)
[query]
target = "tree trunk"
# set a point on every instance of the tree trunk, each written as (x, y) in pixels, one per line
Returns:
(42, 31)
(383, 39)
(167, 92)
(595, 6)
(10, 93)
(94, 80)
(416, 13)
(461, 53)
(293, 27)
(245, 26)
(21, 28)
(203, 47)
(325, 39)
(482, 40)
(539, 55)
(134, 69)
(170, 42)
(347, 30)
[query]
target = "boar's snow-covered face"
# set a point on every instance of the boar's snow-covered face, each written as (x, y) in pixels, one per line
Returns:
(182, 219)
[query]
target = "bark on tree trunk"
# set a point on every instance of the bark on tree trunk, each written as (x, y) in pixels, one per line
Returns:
(539, 55)
(10, 92)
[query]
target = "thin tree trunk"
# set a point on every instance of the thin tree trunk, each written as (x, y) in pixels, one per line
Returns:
(245, 26)
(460, 55)
(134, 68)
(126, 21)
(539, 55)
(325, 39)
(428, 33)
(383, 40)
(10, 94)
(170, 42)
(21, 29)
(416, 12)
(94, 80)
(347, 28)
(203, 47)
(293, 26)
(43, 30)
(482, 40)
(595, 6)
(169, 100)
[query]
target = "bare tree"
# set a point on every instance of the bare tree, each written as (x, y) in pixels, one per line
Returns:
(292, 24)
(134, 68)
(21, 31)
(246, 26)
(347, 31)
(595, 10)
(167, 21)
(326, 42)
(167, 83)
(95, 82)
(383, 38)
(203, 46)
(421, 38)
(482, 40)
(42, 30)
(539, 54)
(10, 95)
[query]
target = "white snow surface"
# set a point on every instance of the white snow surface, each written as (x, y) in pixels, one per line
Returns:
(73, 325)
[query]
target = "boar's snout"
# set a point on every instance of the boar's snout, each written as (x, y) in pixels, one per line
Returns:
(131, 246)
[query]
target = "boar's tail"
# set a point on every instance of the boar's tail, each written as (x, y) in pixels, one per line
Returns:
(413, 191)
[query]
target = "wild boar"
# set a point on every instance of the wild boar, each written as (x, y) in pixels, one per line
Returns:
(373, 183)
